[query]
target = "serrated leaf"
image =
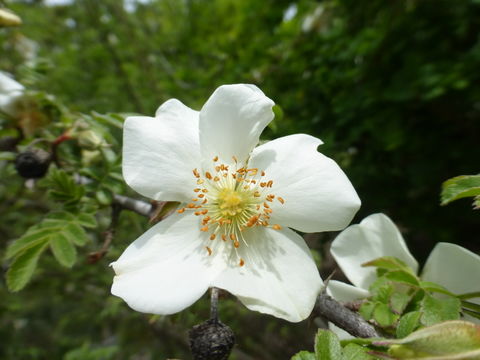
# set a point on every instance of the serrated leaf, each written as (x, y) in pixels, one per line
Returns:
(383, 315)
(327, 346)
(32, 237)
(444, 341)
(388, 263)
(402, 276)
(408, 323)
(76, 234)
(460, 187)
(399, 301)
(437, 310)
(366, 309)
(87, 220)
(304, 355)
(434, 287)
(356, 352)
(21, 269)
(63, 250)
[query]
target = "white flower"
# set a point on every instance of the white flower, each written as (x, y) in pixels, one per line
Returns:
(10, 93)
(376, 236)
(232, 230)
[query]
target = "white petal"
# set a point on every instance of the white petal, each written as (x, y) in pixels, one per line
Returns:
(279, 276)
(168, 268)
(232, 120)
(374, 237)
(318, 195)
(453, 267)
(345, 292)
(160, 153)
(10, 92)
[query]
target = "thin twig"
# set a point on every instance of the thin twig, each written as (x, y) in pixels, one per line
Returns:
(108, 236)
(214, 304)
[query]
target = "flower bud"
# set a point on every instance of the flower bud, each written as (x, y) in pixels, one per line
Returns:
(211, 340)
(32, 164)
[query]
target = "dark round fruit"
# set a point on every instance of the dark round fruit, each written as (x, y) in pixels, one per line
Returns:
(211, 340)
(33, 163)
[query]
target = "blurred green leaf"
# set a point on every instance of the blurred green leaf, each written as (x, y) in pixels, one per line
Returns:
(437, 310)
(63, 250)
(408, 323)
(23, 266)
(327, 346)
(304, 355)
(460, 187)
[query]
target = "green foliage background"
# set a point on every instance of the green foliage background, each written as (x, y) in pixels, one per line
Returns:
(391, 87)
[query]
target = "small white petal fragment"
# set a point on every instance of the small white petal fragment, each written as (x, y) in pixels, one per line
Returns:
(159, 153)
(453, 267)
(316, 195)
(279, 276)
(374, 237)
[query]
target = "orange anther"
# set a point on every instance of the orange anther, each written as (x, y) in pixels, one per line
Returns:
(194, 199)
(212, 237)
(233, 237)
(263, 184)
(263, 173)
(215, 158)
(204, 201)
(209, 250)
(197, 213)
(204, 190)
(224, 237)
(195, 173)
(216, 178)
(217, 168)
(241, 263)
(208, 175)
(266, 205)
(236, 244)
(200, 181)
(205, 228)
(201, 195)
(280, 199)
(270, 183)
(191, 206)
(181, 210)
(276, 227)
(256, 194)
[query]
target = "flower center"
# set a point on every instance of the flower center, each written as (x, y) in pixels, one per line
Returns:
(230, 201)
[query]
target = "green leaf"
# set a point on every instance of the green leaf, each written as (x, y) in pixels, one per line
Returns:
(76, 234)
(304, 355)
(399, 301)
(438, 310)
(356, 352)
(388, 263)
(402, 276)
(104, 197)
(434, 287)
(366, 309)
(460, 187)
(63, 188)
(408, 323)
(444, 341)
(87, 220)
(63, 249)
(23, 266)
(33, 236)
(327, 346)
(383, 315)
(471, 295)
